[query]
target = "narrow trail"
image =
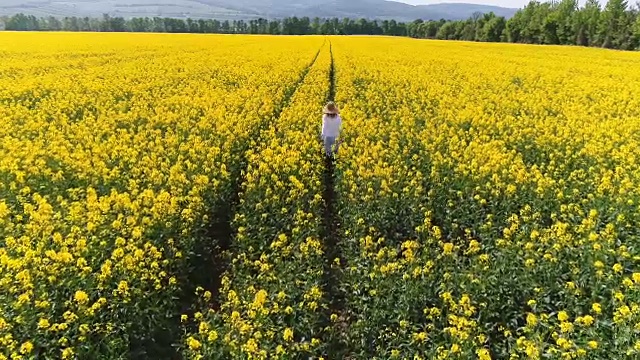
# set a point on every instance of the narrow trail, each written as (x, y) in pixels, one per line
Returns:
(222, 233)
(212, 254)
(332, 76)
(331, 236)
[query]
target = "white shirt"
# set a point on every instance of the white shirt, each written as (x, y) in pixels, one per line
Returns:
(331, 126)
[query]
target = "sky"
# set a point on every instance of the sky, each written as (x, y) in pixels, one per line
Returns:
(504, 3)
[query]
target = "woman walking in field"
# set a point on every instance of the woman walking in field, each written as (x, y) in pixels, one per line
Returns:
(331, 127)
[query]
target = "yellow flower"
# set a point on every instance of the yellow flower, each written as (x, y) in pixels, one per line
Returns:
(260, 299)
(213, 336)
(532, 320)
(596, 308)
(483, 354)
(420, 337)
(251, 346)
(203, 327)
(566, 327)
(26, 348)
(288, 334)
(67, 353)
(587, 320)
(288, 310)
(563, 316)
(447, 248)
(81, 297)
(593, 344)
(193, 343)
(617, 268)
(84, 329)
(43, 324)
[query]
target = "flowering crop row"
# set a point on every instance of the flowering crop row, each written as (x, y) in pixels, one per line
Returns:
(272, 294)
(114, 152)
(489, 200)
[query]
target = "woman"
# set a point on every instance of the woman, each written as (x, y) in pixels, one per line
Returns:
(331, 126)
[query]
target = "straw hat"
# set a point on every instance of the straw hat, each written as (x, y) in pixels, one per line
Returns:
(331, 108)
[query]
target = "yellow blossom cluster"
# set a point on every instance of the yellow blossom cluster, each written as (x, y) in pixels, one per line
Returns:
(272, 296)
(489, 200)
(114, 151)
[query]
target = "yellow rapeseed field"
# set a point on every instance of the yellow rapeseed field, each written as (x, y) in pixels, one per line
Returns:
(114, 151)
(486, 199)
(490, 200)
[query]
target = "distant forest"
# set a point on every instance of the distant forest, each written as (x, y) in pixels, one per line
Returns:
(615, 25)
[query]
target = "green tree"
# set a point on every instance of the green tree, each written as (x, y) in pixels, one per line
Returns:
(433, 27)
(515, 27)
(413, 28)
(274, 27)
(589, 21)
(316, 26)
(636, 30)
(446, 31)
(493, 29)
(192, 26)
(225, 27)
(466, 31)
(541, 28)
(22, 22)
(71, 24)
(263, 26)
(566, 20)
(612, 22)
(531, 24)
(550, 26)
(85, 24)
(52, 23)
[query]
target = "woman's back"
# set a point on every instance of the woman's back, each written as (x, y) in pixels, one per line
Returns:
(331, 125)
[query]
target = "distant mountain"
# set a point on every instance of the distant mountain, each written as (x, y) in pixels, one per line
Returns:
(249, 9)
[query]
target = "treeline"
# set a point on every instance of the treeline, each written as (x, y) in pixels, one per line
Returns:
(286, 26)
(615, 25)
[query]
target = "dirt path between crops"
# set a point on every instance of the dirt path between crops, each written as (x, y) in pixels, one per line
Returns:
(331, 236)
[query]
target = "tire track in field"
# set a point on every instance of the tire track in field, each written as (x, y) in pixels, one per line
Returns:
(331, 236)
(213, 255)
(223, 232)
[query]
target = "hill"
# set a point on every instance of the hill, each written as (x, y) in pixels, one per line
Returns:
(248, 9)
